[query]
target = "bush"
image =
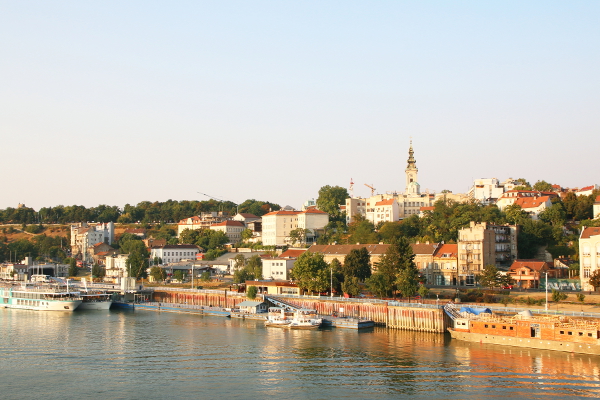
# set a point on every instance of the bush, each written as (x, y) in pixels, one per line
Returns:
(580, 297)
(252, 291)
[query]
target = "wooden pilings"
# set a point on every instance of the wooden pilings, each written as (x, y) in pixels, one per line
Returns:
(405, 317)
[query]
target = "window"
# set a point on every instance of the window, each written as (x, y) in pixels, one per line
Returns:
(511, 328)
(485, 326)
(570, 333)
(562, 332)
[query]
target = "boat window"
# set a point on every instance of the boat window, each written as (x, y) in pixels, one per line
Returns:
(503, 327)
(485, 326)
(511, 328)
(580, 333)
(493, 326)
(562, 332)
(589, 334)
(571, 333)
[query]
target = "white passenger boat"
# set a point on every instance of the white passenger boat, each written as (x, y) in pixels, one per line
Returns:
(305, 318)
(278, 317)
(41, 297)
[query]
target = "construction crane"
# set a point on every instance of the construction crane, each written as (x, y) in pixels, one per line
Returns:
(372, 189)
(222, 201)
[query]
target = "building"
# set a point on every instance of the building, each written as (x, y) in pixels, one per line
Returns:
(233, 230)
(246, 218)
(589, 255)
(489, 190)
(340, 251)
(202, 221)
(586, 191)
(596, 209)
(484, 244)
(443, 271)
(408, 203)
(84, 236)
(173, 253)
(526, 274)
(278, 268)
(514, 196)
(116, 268)
(534, 205)
(277, 225)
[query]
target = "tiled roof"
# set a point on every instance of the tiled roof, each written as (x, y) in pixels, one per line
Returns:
(292, 253)
(590, 231)
(423, 248)
(451, 249)
(531, 202)
(598, 199)
(427, 208)
(179, 246)
(535, 265)
(585, 189)
(248, 215)
(385, 202)
(312, 211)
(282, 213)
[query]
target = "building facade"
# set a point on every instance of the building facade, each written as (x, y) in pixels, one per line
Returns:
(233, 230)
(589, 255)
(202, 221)
(173, 253)
(277, 225)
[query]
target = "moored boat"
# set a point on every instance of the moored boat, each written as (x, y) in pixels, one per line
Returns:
(95, 301)
(305, 318)
(558, 333)
(278, 317)
(39, 297)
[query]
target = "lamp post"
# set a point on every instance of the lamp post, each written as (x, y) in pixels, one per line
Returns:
(546, 291)
(331, 280)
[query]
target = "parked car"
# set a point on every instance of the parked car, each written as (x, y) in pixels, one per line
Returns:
(509, 287)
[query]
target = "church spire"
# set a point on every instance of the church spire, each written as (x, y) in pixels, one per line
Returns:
(412, 163)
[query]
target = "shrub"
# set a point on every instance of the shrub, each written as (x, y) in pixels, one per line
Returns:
(580, 297)
(252, 291)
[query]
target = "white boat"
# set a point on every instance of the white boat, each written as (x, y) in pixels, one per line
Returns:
(305, 318)
(40, 297)
(95, 301)
(278, 317)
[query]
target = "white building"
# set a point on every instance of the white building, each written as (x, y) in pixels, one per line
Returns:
(408, 204)
(173, 253)
(202, 221)
(512, 196)
(596, 212)
(83, 237)
(277, 225)
(116, 268)
(233, 230)
(586, 191)
(383, 211)
(489, 190)
(534, 205)
(589, 255)
(278, 268)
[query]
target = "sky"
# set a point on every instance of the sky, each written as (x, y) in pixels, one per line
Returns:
(118, 102)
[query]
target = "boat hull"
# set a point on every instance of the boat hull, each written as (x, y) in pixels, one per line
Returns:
(531, 343)
(46, 306)
(95, 305)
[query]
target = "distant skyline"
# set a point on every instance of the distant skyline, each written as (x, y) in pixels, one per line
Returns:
(122, 102)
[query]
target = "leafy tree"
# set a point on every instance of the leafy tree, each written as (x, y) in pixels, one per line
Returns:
(558, 296)
(380, 284)
(490, 276)
(157, 261)
(555, 215)
(98, 271)
(533, 235)
(408, 281)
(362, 230)
(241, 276)
(357, 263)
(423, 291)
(543, 186)
(351, 286)
(214, 254)
(252, 292)
(594, 279)
(523, 184)
(329, 200)
(72, 266)
(336, 274)
(178, 275)
(246, 234)
(137, 263)
(158, 274)
(205, 277)
(580, 297)
(391, 231)
(515, 214)
(297, 235)
(311, 272)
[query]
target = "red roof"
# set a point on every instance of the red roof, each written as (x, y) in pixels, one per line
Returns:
(312, 211)
(450, 249)
(531, 202)
(585, 189)
(427, 208)
(535, 265)
(292, 253)
(282, 213)
(590, 231)
(248, 215)
(385, 202)
(598, 199)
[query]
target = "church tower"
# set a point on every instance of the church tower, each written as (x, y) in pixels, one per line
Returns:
(412, 186)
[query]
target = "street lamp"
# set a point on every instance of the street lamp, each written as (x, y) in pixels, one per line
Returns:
(546, 291)
(331, 280)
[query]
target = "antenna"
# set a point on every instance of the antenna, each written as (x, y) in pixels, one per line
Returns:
(351, 188)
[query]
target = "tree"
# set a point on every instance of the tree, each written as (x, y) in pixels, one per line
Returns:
(205, 277)
(98, 271)
(297, 235)
(523, 184)
(555, 215)
(329, 200)
(357, 263)
(158, 274)
(380, 284)
(515, 214)
(178, 275)
(311, 272)
(362, 230)
(423, 291)
(543, 186)
(252, 292)
(595, 279)
(558, 296)
(137, 264)
(490, 276)
(254, 266)
(72, 266)
(246, 234)
(351, 286)
(408, 281)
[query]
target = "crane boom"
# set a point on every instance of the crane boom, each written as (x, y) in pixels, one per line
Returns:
(372, 189)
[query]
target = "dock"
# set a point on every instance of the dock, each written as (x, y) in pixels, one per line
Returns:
(348, 322)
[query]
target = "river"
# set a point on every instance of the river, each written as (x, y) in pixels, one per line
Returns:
(160, 355)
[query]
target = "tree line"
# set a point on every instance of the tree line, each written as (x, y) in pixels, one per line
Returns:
(169, 211)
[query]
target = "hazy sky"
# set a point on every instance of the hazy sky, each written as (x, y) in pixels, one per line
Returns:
(115, 102)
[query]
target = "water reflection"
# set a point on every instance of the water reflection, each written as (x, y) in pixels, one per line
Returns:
(152, 355)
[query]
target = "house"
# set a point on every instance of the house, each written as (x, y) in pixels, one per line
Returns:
(586, 191)
(252, 307)
(527, 273)
(589, 255)
(139, 232)
(274, 287)
(84, 236)
(277, 225)
(445, 266)
(245, 218)
(534, 205)
(512, 196)
(383, 211)
(233, 230)
(116, 268)
(151, 242)
(489, 190)
(202, 221)
(279, 268)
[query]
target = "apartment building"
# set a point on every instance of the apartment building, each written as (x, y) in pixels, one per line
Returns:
(589, 255)
(277, 225)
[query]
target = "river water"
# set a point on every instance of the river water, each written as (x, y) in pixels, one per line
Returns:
(160, 355)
